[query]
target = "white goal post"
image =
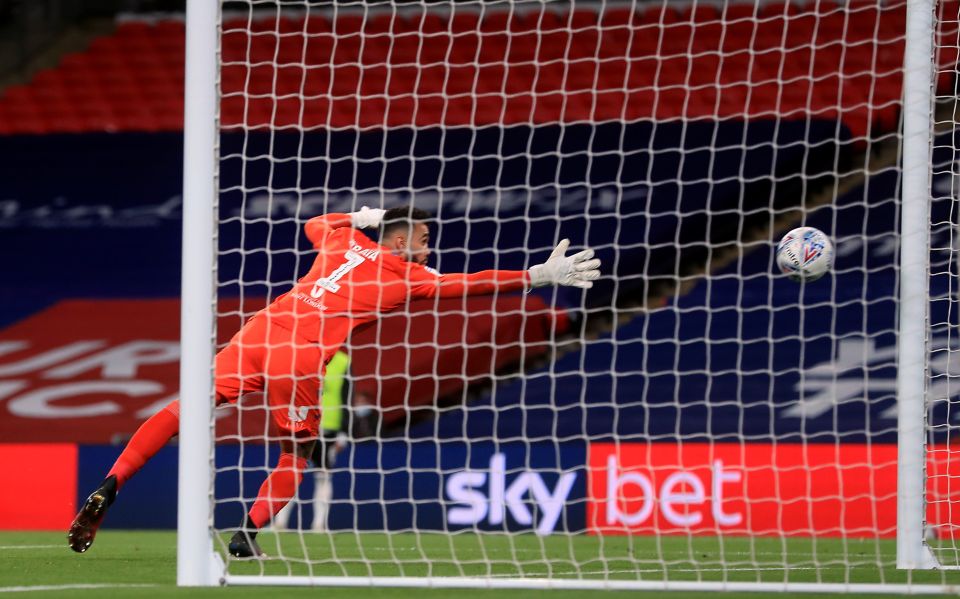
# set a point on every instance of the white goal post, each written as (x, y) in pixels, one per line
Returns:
(912, 551)
(534, 478)
(197, 563)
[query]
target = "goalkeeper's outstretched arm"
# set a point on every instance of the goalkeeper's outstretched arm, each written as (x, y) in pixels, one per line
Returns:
(579, 270)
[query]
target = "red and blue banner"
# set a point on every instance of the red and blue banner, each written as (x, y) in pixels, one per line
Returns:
(542, 487)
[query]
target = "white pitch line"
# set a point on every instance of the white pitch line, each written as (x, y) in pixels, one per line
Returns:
(5, 547)
(70, 587)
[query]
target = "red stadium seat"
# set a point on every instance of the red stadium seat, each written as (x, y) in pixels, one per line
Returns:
(464, 48)
(704, 69)
(608, 106)
(612, 74)
(256, 112)
(658, 14)
(547, 108)
(319, 49)
(739, 11)
(402, 80)
(491, 78)
(431, 80)
(170, 122)
(523, 47)
(429, 111)
(732, 100)
(617, 18)
(893, 19)
(458, 111)
(553, 45)
(418, 23)
(707, 100)
(489, 110)
(585, 44)
(460, 80)
(674, 71)
(291, 50)
(379, 25)
(346, 80)
(464, 21)
(32, 125)
(521, 78)
(552, 20)
(404, 50)
(231, 110)
(288, 112)
(700, 14)
(578, 106)
(549, 77)
(519, 109)
(365, 113)
(316, 25)
(347, 25)
(375, 51)
(606, 70)
(400, 112)
(676, 39)
(583, 19)
(640, 105)
(614, 43)
(373, 81)
(780, 8)
(670, 103)
(435, 49)
(737, 36)
(522, 23)
(581, 76)
(707, 36)
(642, 72)
(762, 99)
(69, 123)
(495, 21)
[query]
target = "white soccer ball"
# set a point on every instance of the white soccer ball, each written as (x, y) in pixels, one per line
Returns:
(805, 254)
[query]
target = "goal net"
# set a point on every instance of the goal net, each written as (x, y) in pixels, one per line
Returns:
(696, 419)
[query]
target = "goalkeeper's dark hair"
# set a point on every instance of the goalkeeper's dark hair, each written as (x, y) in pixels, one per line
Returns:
(402, 217)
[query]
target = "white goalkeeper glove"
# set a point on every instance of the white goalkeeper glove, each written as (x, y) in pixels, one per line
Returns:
(367, 217)
(577, 270)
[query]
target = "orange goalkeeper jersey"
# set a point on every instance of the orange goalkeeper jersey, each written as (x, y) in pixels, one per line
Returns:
(353, 280)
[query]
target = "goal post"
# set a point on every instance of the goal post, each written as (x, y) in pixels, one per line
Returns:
(197, 562)
(695, 421)
(912, 431)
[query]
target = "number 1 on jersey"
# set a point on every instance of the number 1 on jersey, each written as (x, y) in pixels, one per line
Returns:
(329, 283)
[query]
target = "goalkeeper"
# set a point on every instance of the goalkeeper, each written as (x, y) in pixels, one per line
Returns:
(283, 349)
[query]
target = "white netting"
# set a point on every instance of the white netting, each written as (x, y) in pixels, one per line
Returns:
(693, 417)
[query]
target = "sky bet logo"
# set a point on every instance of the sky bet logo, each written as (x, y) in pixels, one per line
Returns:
(485, 498)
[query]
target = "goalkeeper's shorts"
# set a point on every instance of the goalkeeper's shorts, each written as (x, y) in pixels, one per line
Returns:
(269, 359)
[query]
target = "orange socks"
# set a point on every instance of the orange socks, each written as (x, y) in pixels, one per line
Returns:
(146, 442)
(279, 488)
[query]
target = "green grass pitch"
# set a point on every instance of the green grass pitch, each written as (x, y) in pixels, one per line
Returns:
(143, 564)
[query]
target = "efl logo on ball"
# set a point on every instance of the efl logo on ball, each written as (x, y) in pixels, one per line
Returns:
(805, 254)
